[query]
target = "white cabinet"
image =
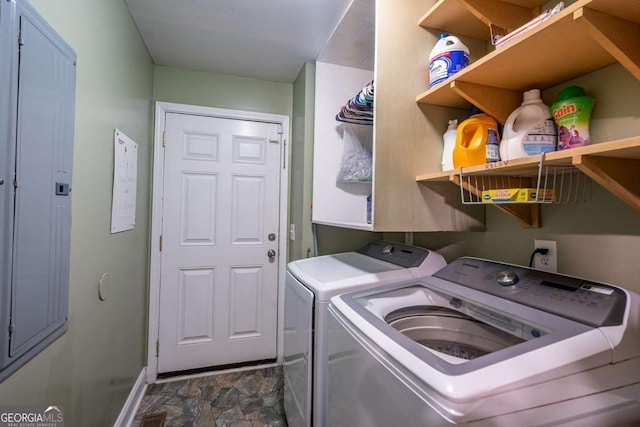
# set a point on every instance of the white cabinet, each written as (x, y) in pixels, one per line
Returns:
(335, 202)
(405, 143)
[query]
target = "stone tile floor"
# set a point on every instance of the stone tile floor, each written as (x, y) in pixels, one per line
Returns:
(248, 398)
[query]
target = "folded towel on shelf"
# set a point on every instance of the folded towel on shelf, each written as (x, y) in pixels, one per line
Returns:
(359, 109)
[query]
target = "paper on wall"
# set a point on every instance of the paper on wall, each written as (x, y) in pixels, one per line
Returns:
(125, 169)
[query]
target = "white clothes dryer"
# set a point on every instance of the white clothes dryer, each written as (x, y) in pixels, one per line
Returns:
(482, 343)
(309, 286)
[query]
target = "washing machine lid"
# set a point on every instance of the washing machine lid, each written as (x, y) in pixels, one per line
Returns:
(329, 275)
(556, 336)
(378, 263)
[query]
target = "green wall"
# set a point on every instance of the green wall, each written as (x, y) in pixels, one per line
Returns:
(90, 370)
(302, 163)
(221, 90)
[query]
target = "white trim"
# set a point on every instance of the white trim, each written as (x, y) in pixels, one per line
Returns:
(162, 108)
(130, 408)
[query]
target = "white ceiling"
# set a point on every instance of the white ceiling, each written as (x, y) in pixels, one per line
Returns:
(263, 39)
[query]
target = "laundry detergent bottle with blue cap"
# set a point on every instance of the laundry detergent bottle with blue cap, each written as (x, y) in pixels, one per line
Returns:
(447, 57)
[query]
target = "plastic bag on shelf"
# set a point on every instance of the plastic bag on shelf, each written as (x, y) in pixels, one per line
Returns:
(501, 36)
(357, 161)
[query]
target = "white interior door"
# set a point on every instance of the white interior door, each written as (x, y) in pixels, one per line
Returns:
(220, 216)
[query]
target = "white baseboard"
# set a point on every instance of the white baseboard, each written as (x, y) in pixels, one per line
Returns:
(128, 412)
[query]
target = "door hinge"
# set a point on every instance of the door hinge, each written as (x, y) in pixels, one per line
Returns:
(161, 243)
(20, 40)
(12, 327)
(164, 139)
(284, 154)
(157, 347)
(279, 132)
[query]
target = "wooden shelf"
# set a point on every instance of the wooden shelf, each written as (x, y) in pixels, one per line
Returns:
(612, 164)
(588, 35)
(584, 37)
(472, 17)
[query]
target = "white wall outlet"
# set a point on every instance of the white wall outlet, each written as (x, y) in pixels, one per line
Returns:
(292, 232)
(548, 262)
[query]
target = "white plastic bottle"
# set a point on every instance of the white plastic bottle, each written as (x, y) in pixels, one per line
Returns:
(447, 57)
(449, 139)
(529, 130)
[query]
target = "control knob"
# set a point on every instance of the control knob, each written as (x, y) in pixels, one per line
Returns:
(507, 278)
(387, 250)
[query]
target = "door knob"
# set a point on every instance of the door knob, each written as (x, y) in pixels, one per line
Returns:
(271, 254)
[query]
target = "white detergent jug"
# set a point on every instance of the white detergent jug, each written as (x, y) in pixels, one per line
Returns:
(449, 139)
(529, 130)
(447, 57)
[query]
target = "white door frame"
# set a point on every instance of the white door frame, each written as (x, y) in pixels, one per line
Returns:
(163, 108)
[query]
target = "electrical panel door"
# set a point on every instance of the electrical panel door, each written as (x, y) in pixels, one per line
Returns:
(44, 91)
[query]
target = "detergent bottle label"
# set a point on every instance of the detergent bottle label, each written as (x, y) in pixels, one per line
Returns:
(492, 146)
(446, 64)
(541, 138)
(572, 117)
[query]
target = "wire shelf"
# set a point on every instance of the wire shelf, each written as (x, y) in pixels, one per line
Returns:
(551, 184)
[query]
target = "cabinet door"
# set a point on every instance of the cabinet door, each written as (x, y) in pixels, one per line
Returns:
(43, 159)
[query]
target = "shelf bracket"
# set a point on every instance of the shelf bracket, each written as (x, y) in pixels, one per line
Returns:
(616, 35)
(497, 102)
(528, 214)
(618, 175)
(499, 12)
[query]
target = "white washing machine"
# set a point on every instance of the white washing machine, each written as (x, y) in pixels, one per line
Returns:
(310, 284)
(482, 343)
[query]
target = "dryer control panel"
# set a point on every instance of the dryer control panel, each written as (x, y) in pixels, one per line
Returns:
(591, 303)
(395, 253)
